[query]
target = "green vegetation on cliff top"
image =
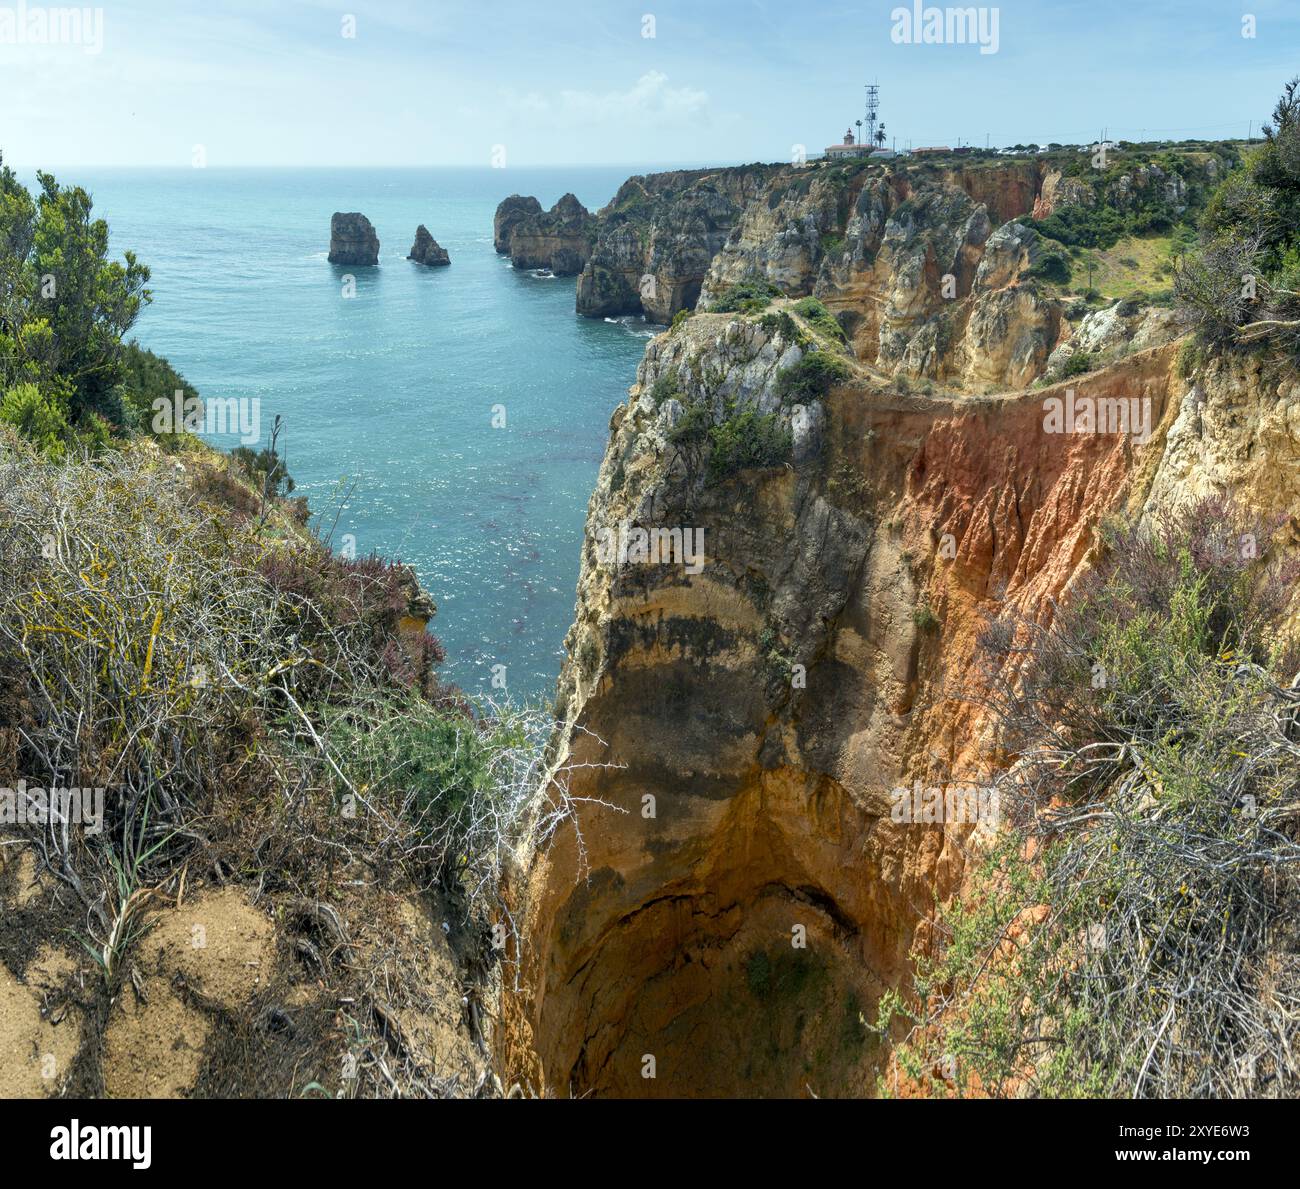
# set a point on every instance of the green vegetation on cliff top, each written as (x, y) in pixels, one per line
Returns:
(1128, 933)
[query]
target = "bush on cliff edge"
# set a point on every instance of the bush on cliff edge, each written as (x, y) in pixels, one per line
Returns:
(1136, 931)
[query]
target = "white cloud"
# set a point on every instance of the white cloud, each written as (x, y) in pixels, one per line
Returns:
(650, 102)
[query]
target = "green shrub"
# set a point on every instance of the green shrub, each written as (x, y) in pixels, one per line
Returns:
(1144, 950)
(782, 324)
(452, 774)
(39, 416)
(1249, 229)
(1053, 266)
(265, 469)
(1190, 357)
(1078, 363)
(665, 387)
(67, 304)
(742, 439)
(588, 657)
(146, 377)
(746, 439)
(820, 318)
(746, 297)
(812, 377)
(1097, 226)
(692, 428)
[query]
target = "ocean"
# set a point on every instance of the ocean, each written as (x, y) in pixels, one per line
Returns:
(390, 395)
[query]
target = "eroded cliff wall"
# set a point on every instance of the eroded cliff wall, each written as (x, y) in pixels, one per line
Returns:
(736, 895)
(666, 929)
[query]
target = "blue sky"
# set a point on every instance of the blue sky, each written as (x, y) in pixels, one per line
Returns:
(554, 82)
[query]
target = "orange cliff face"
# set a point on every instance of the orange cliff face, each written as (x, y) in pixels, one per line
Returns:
(1002, 510)
(739, 897)
(737, 893)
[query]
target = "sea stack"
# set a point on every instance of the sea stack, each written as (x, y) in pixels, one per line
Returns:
(559, 239)
(352, 240)
(426, 250)
(512, 211)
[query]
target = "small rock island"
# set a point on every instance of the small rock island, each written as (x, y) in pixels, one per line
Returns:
(353, 240)
(512, 211)
(426, 249)
(559, 239)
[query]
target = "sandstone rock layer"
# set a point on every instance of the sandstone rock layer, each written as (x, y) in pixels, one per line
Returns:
(426, 249)
(737, 897)
(352, 240)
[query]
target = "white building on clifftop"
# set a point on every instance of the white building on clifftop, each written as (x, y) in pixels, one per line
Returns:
(849, 148)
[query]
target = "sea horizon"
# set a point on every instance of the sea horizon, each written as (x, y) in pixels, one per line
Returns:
(394, 387)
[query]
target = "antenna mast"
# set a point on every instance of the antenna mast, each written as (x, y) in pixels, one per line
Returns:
(873, 108)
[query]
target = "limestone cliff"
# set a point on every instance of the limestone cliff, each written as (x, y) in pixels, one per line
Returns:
(649, 249)
(932, 267)
(510, 213)
(737, 707)
(658, 238)
(558, 239)
(736, 896)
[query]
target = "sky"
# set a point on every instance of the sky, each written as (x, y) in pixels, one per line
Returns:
(559, 82)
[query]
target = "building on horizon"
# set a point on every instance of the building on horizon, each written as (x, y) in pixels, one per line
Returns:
(848, 148)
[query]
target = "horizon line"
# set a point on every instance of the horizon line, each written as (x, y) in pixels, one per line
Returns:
(452, 165)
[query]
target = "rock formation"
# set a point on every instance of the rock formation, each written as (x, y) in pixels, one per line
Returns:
(559, 239)
(352, 240)
(895, 247)
(647, 251)
(932, 272)
(426, 250)
(739, 730)
(738, 896)
(510, 213)
(658, 237)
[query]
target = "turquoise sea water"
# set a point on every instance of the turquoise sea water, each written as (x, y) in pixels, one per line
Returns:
(395, 387)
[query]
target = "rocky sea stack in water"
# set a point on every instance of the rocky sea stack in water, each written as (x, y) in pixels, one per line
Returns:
(352, 239)
(426, 249)
(510, 213)
(560, 239)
